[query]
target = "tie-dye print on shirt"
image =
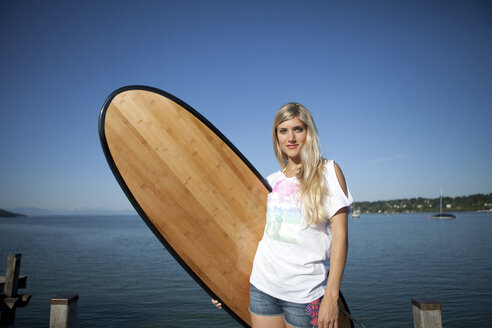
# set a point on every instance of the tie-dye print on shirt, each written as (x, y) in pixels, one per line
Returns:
(283, 212)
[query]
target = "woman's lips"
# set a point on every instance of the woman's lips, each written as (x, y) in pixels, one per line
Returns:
(291, 146)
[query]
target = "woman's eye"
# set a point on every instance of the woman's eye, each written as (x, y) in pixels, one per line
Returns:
(283, 131)
(299, 129)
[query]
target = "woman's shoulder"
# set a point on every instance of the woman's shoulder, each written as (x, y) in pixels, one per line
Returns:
(331, 167)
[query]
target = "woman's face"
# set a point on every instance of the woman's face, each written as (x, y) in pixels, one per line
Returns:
(291, 135)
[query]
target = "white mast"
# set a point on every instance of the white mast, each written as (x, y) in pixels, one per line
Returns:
(440, 203)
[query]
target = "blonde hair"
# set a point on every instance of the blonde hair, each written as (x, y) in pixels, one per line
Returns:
(311, 175)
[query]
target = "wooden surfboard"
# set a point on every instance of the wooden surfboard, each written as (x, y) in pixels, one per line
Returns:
(199, 195)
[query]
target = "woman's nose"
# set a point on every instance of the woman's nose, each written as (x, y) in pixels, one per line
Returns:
(292, 136)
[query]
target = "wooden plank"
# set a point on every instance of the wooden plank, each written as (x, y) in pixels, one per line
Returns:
(11, 283)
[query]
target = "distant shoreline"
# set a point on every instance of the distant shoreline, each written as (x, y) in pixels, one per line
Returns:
(472, 203)
(427, 212)
(36, 211)
(7, 214)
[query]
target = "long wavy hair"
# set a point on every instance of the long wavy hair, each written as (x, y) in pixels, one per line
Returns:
(314, 188)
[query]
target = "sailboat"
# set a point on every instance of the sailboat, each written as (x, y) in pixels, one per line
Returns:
(355, 213)
(441, 215)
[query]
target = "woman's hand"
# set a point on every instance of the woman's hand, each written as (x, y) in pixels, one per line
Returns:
(328, 312)
(216, 303)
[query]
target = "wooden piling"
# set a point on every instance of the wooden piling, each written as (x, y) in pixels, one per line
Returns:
(11, 282)
(426, 313)
(63, 313)
(12, 275)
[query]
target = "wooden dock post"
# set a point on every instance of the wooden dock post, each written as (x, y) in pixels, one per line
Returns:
(11, 282)
(426, 313)
(63, 313)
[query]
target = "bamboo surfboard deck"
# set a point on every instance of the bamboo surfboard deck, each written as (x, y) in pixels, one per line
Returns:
(199, 195)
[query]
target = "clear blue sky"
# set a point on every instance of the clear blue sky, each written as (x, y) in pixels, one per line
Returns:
(401, 91)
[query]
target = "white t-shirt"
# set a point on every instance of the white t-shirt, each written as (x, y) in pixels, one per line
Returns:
(292, 259)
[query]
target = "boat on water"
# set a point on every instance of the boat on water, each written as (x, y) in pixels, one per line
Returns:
(441, 215)
(355, 212)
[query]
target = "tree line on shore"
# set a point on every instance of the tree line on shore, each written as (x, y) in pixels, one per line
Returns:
(477, 202)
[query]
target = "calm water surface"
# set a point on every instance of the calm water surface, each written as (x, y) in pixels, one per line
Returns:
(125, 278)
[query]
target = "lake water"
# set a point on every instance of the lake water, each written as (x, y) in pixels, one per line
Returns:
(125, 278)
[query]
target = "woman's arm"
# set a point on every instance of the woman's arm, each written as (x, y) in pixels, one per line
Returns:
(328, 312)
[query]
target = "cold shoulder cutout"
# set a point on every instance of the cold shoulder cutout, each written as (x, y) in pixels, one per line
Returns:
(339, 194)
(341, 178)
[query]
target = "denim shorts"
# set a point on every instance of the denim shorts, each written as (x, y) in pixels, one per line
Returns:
(299, 315)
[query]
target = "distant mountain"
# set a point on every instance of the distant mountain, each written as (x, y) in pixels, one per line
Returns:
(8, 214)
(30, 211)
(35, 211)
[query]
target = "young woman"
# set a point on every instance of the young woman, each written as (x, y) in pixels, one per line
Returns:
(305, 234)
